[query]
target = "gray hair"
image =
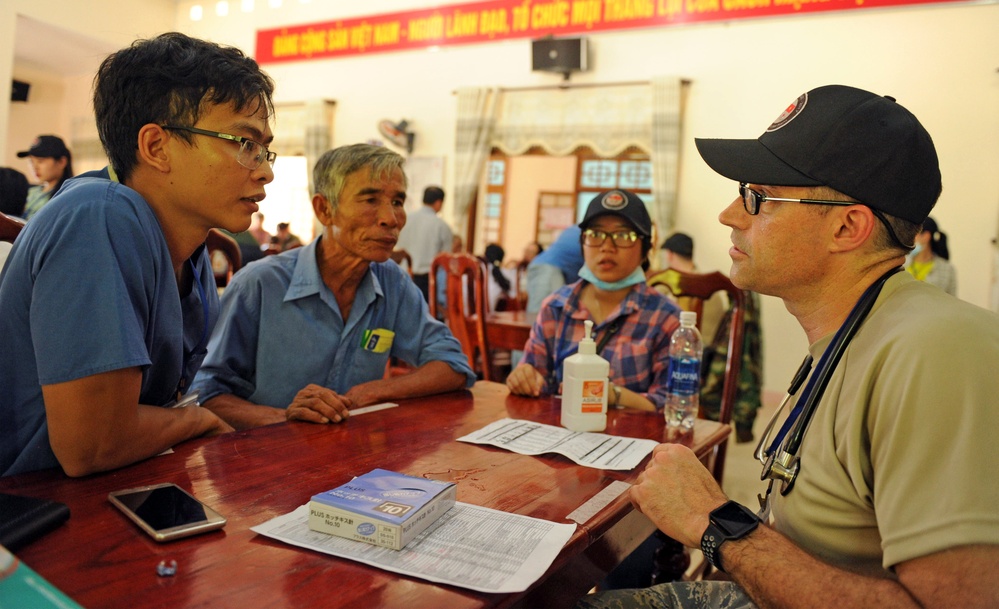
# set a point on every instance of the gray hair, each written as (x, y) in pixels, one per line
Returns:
(892, 233)
(332, 169)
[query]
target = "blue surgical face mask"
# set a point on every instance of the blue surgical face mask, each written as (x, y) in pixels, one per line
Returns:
(915, 251)
(637, 276)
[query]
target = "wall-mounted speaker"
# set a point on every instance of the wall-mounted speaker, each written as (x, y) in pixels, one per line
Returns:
(562, 55)
(19, 91)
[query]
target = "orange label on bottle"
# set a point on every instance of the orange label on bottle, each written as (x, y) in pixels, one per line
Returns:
(593, 396)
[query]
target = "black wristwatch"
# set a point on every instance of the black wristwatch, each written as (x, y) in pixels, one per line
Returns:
(730, 521)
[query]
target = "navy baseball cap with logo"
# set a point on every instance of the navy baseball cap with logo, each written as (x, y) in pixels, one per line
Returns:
(622, 203)
(46, 146)
(861, 144)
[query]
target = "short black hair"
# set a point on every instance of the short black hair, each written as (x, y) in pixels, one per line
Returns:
(433, 194)
(13, 191)
(170, 79)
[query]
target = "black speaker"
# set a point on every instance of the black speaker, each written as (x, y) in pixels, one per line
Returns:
(563, 55)
(19, 91)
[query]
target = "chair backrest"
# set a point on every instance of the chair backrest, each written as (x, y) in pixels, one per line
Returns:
(10, 227)
(692, 290)
(224, 253)
(521, 286)
(465, 306)
(401, 256)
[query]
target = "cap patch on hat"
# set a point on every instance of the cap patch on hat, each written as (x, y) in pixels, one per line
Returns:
(614, 200)
(790, 113)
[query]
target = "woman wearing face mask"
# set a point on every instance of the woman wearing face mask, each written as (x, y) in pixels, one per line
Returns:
(52, 164)
(631, 321)
(929, 261)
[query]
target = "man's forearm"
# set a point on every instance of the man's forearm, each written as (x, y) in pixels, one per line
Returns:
(777, 574)
(96, 425)
(428, 379)
(243, 414)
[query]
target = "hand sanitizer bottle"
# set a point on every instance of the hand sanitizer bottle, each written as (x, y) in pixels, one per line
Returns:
(584, 387)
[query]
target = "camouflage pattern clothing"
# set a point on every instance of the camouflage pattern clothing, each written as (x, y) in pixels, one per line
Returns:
(747, 401)
(677, 595)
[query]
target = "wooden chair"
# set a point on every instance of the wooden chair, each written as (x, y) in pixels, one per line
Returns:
(520, 289)
(396, 367)
(10, 227)
(465, 310)
(402, 256)
(224, 254)
(692, 290)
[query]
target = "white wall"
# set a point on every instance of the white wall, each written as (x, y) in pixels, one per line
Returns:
(938, 60)
(56, 99)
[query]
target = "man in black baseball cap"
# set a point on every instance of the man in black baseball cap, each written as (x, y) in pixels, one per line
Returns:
(47, 146)
(882, 491)
(52, 165)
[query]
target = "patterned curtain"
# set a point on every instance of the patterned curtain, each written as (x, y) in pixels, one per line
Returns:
(304, 129)
(85, 146)
(317, 129)
(665, 131)
(476, 121)
(608, 119)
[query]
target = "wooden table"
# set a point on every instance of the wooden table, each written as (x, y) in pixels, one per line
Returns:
(509, 329)
(100, 559)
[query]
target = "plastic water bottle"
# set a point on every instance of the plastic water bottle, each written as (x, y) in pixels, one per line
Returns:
(683, 385)
(584, 386)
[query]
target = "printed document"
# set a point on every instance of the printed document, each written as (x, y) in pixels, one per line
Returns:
(590, 449)
(470, 546)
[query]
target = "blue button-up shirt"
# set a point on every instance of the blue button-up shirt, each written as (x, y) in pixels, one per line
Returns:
(281, 329)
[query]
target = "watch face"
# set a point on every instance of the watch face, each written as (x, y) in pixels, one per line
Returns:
(736, 520)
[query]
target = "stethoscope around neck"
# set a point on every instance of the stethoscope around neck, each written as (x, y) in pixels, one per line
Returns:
(780, 459)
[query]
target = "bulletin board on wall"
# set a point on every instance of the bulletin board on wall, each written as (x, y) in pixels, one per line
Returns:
(556, 212)
(422, 171)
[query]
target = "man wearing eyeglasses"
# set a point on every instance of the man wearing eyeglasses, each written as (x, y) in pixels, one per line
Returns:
(108, 301)
(884, 491)
(632, 323)
(306, 335)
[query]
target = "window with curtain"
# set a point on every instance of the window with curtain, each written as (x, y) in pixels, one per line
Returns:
(495, 195)
(630, 170)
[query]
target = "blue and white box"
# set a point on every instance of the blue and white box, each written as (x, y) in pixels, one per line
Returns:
(381, 507)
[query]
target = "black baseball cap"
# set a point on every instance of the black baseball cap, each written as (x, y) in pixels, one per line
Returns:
(622, 203)
(861, 144)
(47, 146)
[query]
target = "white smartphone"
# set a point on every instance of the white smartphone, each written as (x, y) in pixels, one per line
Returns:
(166, 511)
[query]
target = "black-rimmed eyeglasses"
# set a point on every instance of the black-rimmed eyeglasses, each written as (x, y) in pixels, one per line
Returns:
(251, 154)
(596, 238)
(752, 199)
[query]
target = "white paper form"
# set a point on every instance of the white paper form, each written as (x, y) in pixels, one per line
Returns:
(597, 450)
(470, 546)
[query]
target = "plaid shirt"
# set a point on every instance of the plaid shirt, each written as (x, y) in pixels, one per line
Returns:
(638, 353)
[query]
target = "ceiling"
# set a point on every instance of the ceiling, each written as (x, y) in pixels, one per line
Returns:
(41, 46)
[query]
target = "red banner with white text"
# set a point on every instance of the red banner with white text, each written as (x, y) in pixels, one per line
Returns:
(493, 20)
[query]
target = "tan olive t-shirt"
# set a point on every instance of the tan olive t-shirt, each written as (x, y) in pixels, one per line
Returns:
(901, 458)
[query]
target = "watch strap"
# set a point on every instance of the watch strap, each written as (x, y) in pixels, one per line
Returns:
(711, 543)
(728, 522)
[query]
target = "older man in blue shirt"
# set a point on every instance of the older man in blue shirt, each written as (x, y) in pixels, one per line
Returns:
(306, 335)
